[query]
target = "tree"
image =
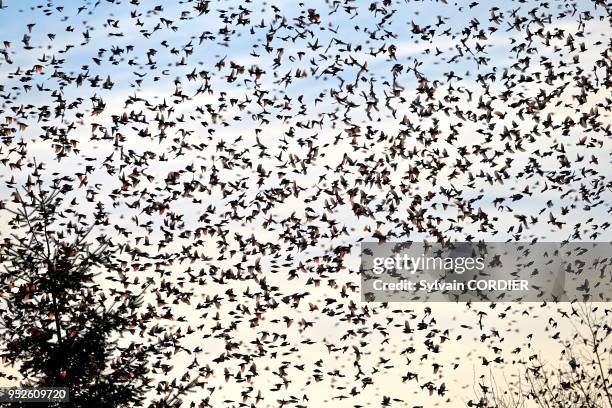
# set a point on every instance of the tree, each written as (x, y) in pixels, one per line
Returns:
(581, 380)
(58, 326)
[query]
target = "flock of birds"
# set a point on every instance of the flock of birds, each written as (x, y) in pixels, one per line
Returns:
(236, 153)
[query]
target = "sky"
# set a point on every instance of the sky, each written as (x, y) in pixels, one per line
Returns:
(234, 126)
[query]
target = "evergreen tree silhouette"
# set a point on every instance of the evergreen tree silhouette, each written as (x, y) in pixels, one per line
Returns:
(58, 326)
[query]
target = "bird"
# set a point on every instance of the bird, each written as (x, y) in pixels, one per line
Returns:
(237, 157)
